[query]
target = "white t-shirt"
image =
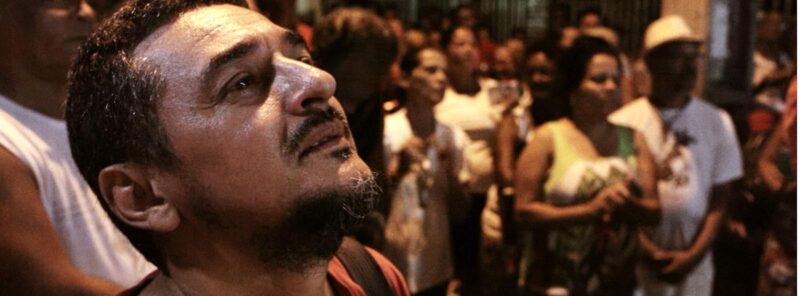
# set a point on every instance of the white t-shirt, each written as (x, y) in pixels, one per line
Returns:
(699, 152)
(477, 115)
(417, 228)
(94, 245)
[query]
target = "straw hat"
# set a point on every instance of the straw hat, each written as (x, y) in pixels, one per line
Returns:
(668, 29)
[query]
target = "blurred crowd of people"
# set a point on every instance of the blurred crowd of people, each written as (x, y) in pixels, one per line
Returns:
(560, 165)
(527, 166)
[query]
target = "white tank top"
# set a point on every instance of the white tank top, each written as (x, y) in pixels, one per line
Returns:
(94, 245)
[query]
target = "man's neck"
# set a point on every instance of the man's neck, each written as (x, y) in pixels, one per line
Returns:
(40, 95)
(463, 80)
(240, 281)
(420, 117)
(767, 48)
(229, 267)
(670, 100)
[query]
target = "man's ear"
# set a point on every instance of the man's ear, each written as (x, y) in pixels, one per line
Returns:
(128, 191)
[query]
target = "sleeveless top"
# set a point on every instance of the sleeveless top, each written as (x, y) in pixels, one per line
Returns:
(594, 258)
(93, 243)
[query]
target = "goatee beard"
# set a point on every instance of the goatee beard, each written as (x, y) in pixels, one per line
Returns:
(315, 225)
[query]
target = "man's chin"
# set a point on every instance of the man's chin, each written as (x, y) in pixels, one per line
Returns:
(315, 225)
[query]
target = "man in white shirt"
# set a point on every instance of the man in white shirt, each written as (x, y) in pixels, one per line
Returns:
(57, 240)
(697, 156)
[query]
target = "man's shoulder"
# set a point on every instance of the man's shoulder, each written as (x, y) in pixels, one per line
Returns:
(710, 116)
(393, 276)
(139, 288)
(341, 273)
(18, 143)
(633, 113)
(705, 108)
(12, 169)
(29, 135)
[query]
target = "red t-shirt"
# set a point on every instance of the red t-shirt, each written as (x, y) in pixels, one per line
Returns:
(341, 282)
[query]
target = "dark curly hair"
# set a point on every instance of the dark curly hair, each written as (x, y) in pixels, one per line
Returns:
(111, 109)
(573, 62)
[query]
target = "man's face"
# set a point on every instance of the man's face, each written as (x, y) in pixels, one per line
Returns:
(429, 78)
(770, 27)
(673, 66)
(260, 140)
(568, 35)
(53, 34)
(462, 50)
(540, 78)
(359, 76)
(466, 17)
(590, 21)
(503, 64)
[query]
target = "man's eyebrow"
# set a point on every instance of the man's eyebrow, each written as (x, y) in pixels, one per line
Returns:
(294, 39)
(238, 51)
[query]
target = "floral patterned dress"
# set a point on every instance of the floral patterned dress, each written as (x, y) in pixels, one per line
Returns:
(596, 258)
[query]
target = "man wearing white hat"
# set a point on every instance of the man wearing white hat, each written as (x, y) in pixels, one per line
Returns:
(697, 157)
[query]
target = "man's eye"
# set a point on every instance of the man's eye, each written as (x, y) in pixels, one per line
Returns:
(598, 79)
(241, 83)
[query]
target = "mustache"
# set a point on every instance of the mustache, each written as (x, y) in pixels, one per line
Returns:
(316, 118)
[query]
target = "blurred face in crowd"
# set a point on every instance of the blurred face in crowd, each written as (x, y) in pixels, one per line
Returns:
(466, 17)
(360, 77)
(46, 34)
(503, 63)
(568, 35)
(673, 67)
(517, 48)
(541, 71)
(415, 38)
(589, 21)
(599, 89)
(429, 78)
(266, 160)
(462, 50)
(770, 27)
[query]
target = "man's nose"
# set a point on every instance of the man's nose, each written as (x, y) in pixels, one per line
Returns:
(309, 87)
(441, 76)
(85, 12)
(610, 84)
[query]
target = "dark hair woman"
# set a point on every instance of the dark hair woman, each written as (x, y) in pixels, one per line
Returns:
(583, 185)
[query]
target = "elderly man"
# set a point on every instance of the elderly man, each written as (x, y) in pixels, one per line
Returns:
(697, 157)
(56, 239)
(219, 150)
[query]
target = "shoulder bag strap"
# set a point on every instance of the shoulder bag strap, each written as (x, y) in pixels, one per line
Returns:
(363, 268)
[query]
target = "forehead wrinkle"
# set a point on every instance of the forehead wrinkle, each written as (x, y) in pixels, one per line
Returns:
(189, 38)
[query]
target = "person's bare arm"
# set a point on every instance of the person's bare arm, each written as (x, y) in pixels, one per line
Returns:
(504, 155)
(531, 172)
(32, 259)
(684, 261)
(767, 169)
(646, 208)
